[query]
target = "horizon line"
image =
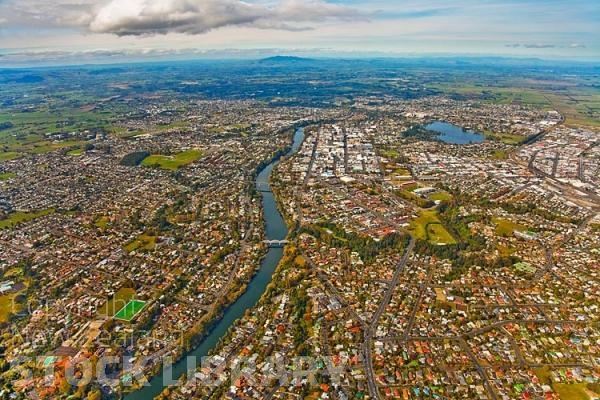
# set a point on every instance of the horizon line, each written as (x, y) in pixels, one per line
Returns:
(124, 57)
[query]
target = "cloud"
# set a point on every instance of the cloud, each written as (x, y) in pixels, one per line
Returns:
(415, 13)
(42, 14)
(405, 26)
(538, 46)
(546, 46)
(151, 17)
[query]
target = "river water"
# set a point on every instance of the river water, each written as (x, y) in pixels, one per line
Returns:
(276, 229)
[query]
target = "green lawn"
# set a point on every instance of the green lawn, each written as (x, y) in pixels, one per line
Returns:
(544, 375)
(438, 234)
(75, 152)
(401, 172)
(8, 305)
(130, 310)
(102, 222)
(4, 176)
(571, 391)
(11, 273)
(500, 155)
(506, 138)
(118, 301)
(525, 267)
(418, 225)
(19, 217)
(174, 162)
(43, 147)
(5, 307)
(505, 227)
(441, 196)
(9, 155)
(389, 154)
(143, 242)
(427, 226)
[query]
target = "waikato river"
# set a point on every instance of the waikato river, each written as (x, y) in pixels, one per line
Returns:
(275, 229)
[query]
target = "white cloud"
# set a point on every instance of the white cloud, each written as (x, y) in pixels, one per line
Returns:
(151, 17)
(470, 26)
(147, 17)
(39, 14)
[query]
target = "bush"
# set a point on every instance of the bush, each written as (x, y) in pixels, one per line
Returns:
(5, 125)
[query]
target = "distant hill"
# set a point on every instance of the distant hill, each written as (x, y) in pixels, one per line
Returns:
(285, 60)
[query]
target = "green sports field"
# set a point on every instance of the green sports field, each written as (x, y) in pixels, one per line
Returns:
(130, 310)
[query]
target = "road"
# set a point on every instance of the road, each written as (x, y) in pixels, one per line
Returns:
(413, 314)
(570, 192)
(333, 290)
(581, 168)
(367, 344)
(480, 369)
(555, 164)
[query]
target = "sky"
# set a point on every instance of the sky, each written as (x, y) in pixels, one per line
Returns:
(112, 29)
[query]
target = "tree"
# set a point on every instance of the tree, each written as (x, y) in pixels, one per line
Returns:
(95, 394)
(64, 386)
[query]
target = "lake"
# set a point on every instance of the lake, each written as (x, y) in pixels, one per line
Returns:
(453, 134)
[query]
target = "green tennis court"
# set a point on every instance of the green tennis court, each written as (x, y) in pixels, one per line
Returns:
(130, 310)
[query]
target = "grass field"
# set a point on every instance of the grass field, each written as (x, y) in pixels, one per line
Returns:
(118, 302)
(571, 391)
(507, 138)
(577, 109)
(9, 155)
(500, 155)
(130, 310)
(401, 172)
(9, 306)
(6, 307)
(525, 268)
(27, 135)
(47, 147)
(497, 94)
(579, 104)
(505, 251)
(4, 176)
(19, 217)
(75, 152)
(506, 228)
(102, 222)
(427, 226)
(544, 375)
(441, 196)
(436, 233)
(13, 272)
(143, 242)
(173, 163)
(390, 154)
